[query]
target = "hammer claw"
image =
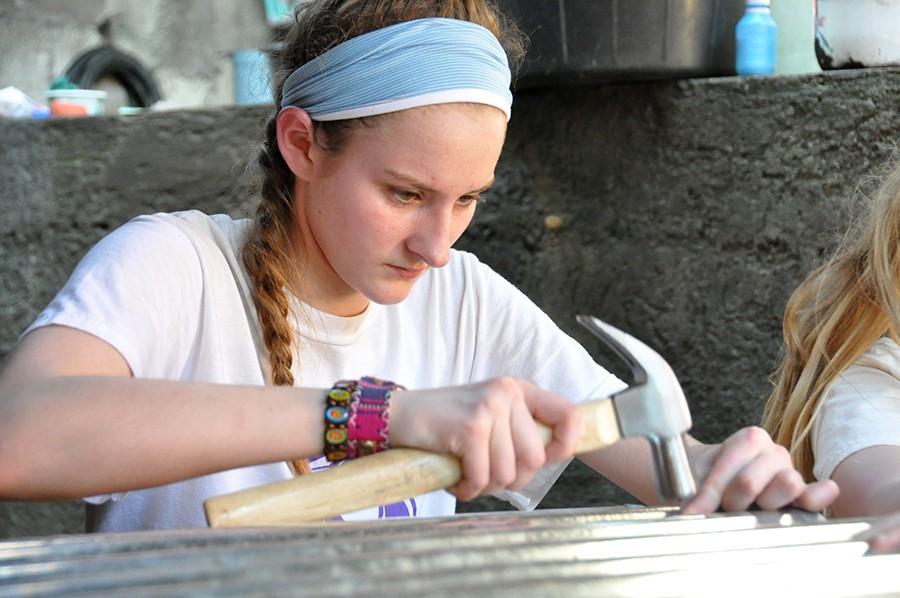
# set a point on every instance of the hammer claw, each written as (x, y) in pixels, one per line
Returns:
(654, 407)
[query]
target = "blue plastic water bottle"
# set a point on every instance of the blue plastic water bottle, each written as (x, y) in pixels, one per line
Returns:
(755, 40)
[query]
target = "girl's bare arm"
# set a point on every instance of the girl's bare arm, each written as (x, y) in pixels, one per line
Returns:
(869, 481)
(747, 468)
(74, 422)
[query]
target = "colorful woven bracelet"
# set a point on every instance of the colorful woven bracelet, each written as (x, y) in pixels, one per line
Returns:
(337, 415)
(369, 423)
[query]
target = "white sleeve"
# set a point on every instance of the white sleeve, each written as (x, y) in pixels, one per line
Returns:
(139, 290)
(516, 338)
(860, 410)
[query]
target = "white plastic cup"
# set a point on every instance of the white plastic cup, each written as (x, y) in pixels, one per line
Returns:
(75, 102)
(853, 33)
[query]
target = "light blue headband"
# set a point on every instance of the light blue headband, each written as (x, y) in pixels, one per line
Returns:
(410, 64)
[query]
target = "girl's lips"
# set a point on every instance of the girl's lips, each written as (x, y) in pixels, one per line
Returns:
(407, 273)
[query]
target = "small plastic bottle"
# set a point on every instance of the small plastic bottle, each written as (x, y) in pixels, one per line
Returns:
(755, 37)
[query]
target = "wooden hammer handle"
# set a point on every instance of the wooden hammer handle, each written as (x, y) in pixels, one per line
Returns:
(374, 480)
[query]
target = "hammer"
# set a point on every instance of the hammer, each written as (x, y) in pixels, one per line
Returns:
(653, 407)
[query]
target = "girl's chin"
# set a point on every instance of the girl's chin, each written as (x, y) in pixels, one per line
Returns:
(389, 294)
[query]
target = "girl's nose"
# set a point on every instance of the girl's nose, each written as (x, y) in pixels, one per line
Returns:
(431, 237)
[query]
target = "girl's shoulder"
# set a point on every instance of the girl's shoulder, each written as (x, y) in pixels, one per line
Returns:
(883, 355)
(177, 236)
(200, 227)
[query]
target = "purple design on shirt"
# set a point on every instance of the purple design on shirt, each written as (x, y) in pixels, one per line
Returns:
(404, 508)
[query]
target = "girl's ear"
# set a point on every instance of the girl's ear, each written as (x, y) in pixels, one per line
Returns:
(295, 140)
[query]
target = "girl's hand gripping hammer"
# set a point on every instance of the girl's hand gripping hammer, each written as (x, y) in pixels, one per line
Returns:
(653, 407)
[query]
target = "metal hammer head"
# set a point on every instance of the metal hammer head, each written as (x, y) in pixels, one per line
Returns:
(653, 407)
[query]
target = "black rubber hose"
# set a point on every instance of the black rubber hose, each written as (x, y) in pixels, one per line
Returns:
(105, 61)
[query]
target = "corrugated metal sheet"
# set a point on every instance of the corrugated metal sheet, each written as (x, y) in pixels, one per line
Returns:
(583, 552)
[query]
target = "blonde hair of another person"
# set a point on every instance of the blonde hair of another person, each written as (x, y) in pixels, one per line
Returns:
(269, 255)
(833, 317)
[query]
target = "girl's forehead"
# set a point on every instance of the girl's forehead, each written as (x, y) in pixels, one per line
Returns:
(444, 123)
(435, 145)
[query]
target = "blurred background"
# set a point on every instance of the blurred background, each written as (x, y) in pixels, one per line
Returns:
(188, 54)
(178, 52)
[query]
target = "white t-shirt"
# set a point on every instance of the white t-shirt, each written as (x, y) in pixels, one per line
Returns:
(168, 291)
(860, 409)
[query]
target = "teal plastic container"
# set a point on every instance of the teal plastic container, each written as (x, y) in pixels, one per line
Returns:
(279, 12)
(252, 77)
(755, 40)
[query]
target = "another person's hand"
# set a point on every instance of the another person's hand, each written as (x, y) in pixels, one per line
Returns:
(490, 426)
(750, 468)
(884, 536)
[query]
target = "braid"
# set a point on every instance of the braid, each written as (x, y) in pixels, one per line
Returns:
(268, 253)
(266, 256)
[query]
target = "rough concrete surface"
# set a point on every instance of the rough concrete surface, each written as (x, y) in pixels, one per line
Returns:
(689, 211)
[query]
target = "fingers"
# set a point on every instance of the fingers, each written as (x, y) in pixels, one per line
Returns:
(530, 454)
(556, 412)
(705, 501)
(501, 446)
(502, 466)
(733, 455)
(488, 450)
(768, 480)
(886, 541)
(475, 464)
(552, 410)
(786, 486)
(749, 468)
(818, 496)
(884, 536)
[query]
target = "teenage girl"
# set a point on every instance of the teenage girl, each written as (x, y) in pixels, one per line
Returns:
(192, 355)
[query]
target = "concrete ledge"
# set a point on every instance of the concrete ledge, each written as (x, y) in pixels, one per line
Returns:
(689, 212)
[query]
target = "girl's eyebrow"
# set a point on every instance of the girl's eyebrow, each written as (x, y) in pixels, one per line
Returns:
(413, 182)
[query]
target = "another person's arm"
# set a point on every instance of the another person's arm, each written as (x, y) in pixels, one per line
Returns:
(747, 468)
(856, 441)
(870, 485)
(869, 481)
(522, 340)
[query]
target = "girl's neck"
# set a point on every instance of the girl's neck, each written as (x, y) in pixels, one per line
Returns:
(344, 305)
(318, 285)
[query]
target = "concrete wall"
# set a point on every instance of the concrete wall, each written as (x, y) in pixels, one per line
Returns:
(187, 45)
(689, 211)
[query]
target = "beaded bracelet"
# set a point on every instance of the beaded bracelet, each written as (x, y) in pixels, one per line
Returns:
(357, 414)
(337, 414)
(369, 421)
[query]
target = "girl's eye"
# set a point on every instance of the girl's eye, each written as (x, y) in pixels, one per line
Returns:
(468, 200)
(405, 196)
